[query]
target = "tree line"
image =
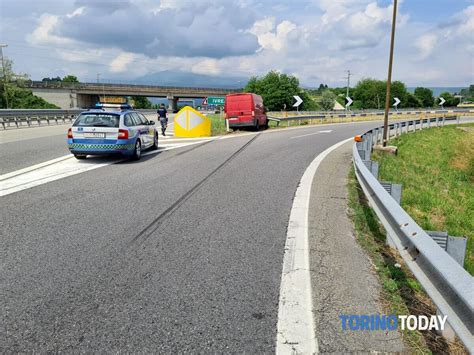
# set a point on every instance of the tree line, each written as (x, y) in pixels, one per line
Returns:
(277, 91)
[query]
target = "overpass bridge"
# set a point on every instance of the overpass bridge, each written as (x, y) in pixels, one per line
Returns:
(84, 95)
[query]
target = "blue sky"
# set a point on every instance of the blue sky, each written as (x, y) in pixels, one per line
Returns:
(316, 40)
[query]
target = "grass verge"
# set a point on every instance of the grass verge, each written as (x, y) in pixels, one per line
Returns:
(401, 293)
(436, 169)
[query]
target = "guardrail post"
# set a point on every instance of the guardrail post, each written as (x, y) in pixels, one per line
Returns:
(457, 119)
(448, 332)
(373, 167)
(437, 121)
(395, 190)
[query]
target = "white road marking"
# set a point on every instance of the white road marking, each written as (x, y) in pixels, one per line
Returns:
(311, 134)
(62, 167)
(295, 328)
(34, 167)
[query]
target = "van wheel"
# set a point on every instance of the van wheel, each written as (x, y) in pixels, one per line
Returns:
(266, 123)
(257, 125)
(137, 153)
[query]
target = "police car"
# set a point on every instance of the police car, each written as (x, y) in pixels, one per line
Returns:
(111, 129)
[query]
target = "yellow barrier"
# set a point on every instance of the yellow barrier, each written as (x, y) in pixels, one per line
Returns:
(189, 123)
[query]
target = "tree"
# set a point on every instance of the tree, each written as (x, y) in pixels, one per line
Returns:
(468, 93)
(321, 88)
(70, 79)
(141, 102)
(370, 93)
(16, 96)
(425, 96)
(328, 99)
(451, 101)
(277, 91)
(413, 101)
(48, 79)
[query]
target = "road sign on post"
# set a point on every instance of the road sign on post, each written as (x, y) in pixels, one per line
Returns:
(349, 102)
(441, 102)
(216, 101)
(397, 101)
(204, 102)
(298, 102)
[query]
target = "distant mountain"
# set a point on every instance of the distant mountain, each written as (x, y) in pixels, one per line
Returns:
(181, 78)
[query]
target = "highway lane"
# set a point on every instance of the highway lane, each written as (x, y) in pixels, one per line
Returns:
(20, 148)
(181, 251)
(17, 152)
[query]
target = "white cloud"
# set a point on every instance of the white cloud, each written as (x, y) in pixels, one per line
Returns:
(206, 67)
(43, 34)
(426, 44)
(120, 64)
(277, 40)
(316, 39)
(79, 11)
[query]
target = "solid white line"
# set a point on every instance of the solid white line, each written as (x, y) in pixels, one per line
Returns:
(60, 168)
(311, 134)
(295, 328)
(34, 167)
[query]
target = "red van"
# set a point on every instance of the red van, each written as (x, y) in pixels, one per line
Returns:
(245, 110)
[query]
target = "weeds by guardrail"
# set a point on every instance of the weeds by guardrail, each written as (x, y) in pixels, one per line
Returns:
(444, 280)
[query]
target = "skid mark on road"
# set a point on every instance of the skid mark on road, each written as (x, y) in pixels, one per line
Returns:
(155, 224)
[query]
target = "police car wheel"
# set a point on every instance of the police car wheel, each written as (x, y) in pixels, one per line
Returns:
(80, 156)
(155, 142)
(137, 153)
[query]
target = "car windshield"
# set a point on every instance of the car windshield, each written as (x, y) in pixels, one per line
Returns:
(100, 119)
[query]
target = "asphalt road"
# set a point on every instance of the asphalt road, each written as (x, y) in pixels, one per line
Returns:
(21, 148)
(179, 252)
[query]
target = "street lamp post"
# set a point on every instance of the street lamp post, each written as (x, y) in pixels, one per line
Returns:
(389, 79)
(2, 45)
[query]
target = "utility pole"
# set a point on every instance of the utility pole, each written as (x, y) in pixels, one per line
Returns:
(2, 45)
(389, 79)
(348, 83)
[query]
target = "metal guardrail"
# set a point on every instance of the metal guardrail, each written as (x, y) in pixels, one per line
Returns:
(36, 118)
(446, 282)
(277, 116)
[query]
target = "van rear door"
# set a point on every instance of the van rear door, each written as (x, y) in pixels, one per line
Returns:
(238, 105)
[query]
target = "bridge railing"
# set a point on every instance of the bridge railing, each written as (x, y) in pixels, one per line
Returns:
(446, 282)
(85, 85)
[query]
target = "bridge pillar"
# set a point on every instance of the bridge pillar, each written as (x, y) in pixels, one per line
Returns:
(87, 100)
(173, 103)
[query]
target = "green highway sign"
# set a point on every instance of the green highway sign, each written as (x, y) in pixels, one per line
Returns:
(217, 101)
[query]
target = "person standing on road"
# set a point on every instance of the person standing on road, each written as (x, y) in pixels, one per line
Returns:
(163, 118)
